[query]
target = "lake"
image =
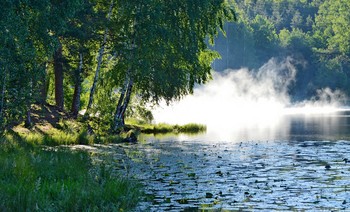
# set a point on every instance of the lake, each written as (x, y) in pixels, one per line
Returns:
(300, 162)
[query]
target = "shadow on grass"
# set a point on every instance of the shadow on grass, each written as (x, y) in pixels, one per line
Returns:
(54, 179)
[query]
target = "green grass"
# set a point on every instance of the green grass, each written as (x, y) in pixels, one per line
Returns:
(53, 179)
(192, 128)
(165, 128)
(56, 137)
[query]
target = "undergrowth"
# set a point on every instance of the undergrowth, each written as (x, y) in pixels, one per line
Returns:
(53, 179)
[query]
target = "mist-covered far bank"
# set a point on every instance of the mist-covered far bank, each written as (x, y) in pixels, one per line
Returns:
(244, 97)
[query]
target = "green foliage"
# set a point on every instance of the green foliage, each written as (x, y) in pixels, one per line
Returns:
(83, 138)
(27, 41)
(168, 64)
(138, 110)
(314, 33)
(332, 24)
(265, 38)
(55, 180)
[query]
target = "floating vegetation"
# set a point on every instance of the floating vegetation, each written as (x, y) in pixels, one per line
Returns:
(270, 176)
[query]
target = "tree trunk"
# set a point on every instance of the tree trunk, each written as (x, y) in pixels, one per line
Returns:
(58, 69)
(121, 99)
(99, 62)
(77, 88)
(3, 89)
(123, 102)
(28, 121)
(126, 101)
(45, 86)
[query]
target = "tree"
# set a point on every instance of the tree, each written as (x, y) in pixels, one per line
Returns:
(21, 65)
(80, 40)
(265, 38)
(332, 26)
(162, 49)
(332, 32)
(297, 20)
(99, 58)
(58, 69)
(28, 40)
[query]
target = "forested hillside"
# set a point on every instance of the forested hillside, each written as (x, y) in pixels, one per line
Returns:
(315, 33)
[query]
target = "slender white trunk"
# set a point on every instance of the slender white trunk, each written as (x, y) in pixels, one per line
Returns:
(121, 99)
(99, 60)
(127, 100)
(124, 99)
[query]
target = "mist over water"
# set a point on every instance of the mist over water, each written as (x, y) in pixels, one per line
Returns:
(249, 104)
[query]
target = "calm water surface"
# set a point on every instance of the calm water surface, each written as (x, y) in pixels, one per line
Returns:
(295, 162)
(295, 127)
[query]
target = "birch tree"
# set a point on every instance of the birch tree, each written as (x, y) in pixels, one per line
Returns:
(80, 42)
(99, 59)
(162, 48)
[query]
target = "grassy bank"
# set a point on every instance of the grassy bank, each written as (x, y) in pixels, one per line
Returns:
(66, 132)
(166, 128)
(37, 174)
(53, 179)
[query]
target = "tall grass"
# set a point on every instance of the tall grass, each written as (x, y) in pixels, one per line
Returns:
(168, 128)
(192, 128)
(55, 137)
(32, 178)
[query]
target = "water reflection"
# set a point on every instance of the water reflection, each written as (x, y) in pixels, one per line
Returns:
(241, 105)
(329, 126)
(289, 125)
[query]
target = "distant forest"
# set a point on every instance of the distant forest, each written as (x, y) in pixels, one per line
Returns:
(315, 33)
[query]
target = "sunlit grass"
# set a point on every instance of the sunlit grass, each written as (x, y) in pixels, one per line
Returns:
(58, 180)
(51, 136)
(192, 128)
(166, 128)
(55, 138)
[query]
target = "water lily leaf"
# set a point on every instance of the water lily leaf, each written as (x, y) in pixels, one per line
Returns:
(191, 174)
